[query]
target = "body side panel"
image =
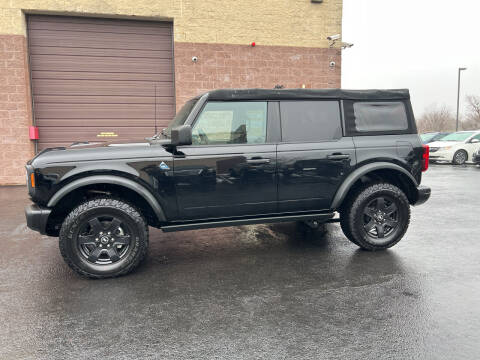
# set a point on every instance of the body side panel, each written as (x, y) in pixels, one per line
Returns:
(308, 176)
(226, 180)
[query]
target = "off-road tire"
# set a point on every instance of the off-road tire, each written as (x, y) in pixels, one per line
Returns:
(344, 216)
(352, 216)
(78, 217)
(457, 160)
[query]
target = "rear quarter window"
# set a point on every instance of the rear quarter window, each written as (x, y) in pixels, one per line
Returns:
(379, 117)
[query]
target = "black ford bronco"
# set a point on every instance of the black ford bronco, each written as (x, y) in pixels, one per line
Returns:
(232, 157)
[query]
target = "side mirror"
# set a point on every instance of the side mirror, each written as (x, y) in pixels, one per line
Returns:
(181, 135)
(474, 141)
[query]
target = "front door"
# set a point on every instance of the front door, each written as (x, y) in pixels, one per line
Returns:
(230, 169)
(472, 147)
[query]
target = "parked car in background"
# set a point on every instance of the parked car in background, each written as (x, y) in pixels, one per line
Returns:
(433, 136)
(456, 148)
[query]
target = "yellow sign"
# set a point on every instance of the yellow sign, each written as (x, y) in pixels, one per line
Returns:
(107, 134)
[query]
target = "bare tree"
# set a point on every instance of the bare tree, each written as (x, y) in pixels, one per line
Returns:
(436, 119)
(472, 119)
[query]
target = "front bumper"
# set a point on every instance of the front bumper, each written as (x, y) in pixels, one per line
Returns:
(423, 194)
(37, 217)
(476, 158)
(441, 156)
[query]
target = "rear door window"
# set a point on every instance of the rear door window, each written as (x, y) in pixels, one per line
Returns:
(380, 116)
(310, 121)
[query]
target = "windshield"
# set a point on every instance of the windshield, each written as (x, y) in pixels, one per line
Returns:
(427, 137)
(181, 116)
(459, 136)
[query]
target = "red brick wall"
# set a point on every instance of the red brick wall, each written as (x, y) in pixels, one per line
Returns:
(15, 110)
(243, 66)
(218, 66)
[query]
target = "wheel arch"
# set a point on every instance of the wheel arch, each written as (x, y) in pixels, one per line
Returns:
(106, 183)
(390, 172)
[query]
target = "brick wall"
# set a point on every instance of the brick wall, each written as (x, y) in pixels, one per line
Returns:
(292, 50)
(218, 66)
(15, 110)
(243, 66)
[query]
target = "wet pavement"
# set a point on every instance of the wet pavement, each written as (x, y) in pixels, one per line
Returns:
(251, 292)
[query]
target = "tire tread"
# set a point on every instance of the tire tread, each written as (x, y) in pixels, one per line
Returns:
(349, 220)
(72, 220)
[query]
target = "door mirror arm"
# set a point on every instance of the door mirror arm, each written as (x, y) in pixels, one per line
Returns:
(180, 135)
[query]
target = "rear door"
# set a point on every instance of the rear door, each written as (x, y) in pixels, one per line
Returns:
(230, 169)
(313, 157)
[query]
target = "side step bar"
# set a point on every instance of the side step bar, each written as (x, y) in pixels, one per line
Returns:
(323, 217)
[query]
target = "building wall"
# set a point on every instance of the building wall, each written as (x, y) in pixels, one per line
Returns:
(268, 22)
(15, 110)
(243, 66)
(291, 50)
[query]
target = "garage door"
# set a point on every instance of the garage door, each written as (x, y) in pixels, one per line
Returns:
(95, 79)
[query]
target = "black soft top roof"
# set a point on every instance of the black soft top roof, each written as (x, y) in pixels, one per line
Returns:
(294, 94)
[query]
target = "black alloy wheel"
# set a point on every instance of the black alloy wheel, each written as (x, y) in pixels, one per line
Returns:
(104, 238)
(380, 218)
(376, 216)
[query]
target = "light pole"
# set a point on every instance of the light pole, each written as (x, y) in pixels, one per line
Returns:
(458, 93)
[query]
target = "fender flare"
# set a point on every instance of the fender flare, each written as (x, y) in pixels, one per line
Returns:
(114, 180)
(361, 171)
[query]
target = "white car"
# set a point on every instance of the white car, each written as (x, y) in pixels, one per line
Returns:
(456, 148)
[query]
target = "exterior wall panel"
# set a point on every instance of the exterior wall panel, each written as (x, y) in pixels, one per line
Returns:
(15, 110)
(243, 66)
(267, 22)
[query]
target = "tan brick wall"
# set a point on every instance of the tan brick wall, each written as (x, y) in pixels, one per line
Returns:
(267, 22)
(242, 66)
(15, 112)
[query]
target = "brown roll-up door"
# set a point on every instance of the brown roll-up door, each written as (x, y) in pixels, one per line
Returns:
(94, 79)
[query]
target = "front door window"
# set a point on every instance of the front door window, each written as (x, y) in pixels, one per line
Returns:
(242, 122)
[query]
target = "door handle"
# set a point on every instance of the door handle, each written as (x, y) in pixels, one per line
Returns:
(338, 157)
(258, 161)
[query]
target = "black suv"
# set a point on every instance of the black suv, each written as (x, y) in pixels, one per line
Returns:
(232, 157)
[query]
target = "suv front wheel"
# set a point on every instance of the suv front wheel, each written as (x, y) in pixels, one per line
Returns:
(103, 238)
(376, 217)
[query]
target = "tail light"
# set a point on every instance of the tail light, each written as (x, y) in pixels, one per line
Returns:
(425, 157)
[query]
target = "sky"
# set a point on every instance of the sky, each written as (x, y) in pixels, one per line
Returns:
(414, 44)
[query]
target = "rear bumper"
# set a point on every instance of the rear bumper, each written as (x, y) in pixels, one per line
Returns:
(423, 194)
(37, 217)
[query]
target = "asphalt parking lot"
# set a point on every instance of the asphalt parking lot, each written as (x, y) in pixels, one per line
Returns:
(251, 292)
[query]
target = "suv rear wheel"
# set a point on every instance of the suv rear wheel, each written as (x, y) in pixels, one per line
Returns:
(104, 238)
(376, 217)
